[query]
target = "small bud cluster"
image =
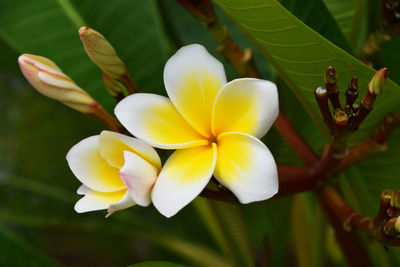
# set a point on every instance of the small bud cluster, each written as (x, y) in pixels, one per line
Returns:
(388, 217)
(351, 115)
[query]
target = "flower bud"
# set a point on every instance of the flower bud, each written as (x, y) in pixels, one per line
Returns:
(395, 200)
(377, 82)
(102, 53)
(397, 225)
(113, 87)
(341, 119)
(330, 75)
(44, 75)
(391, 227)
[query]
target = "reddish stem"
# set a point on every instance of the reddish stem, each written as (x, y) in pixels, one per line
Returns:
(337, 211)
(295, 140)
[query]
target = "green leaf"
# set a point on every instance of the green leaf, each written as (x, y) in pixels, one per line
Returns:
(382, 171)
(301, 56)
(196, 254)
(210, 218)
(308, 228)
(156, 264)
(351, 16)
(315, 14)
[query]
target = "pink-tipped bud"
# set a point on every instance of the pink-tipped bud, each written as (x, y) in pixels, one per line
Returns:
(377, 82)
(102, 53)
(46, 77)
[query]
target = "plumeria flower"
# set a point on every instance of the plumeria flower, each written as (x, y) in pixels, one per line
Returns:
(116, 171)
(214, 125)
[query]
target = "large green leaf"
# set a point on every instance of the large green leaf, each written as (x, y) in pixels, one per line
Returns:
(301, 55)
(351, 15)
(315, 14)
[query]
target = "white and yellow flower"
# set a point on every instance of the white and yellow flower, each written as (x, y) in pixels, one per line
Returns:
(215, 126)
(116, 171)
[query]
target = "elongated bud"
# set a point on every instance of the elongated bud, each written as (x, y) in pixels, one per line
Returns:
(46, 77)
(102, 53)
(113, 87)
(395, 200)
(330, 78)
(352, 92)
(330, 75)
(377, 82)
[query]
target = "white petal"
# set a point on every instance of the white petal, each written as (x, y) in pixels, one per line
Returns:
(139, 177)
(246, 167)
(112, 146)
(91, 169)
(193, 78)
(246, 105)
(183, 177)
(124, 203)
(155, 120)
(94, 200)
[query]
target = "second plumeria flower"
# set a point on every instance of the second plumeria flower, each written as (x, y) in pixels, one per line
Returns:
(116, 171)
(215, 126)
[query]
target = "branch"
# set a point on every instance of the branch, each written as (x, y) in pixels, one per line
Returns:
(352, 246)
(382, 227)
(373, 145)
(295, 140)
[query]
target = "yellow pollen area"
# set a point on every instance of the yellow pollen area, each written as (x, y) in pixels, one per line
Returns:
(197, 91)
(234, 157)
(166, 125)
(190, 165)
(236, 112)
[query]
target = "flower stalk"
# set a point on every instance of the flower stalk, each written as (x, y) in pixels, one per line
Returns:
(321, 96)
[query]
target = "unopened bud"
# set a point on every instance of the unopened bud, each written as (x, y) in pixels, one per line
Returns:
(330, 75)
(386, 196)
(395, 200)
(353, 85)
(397, 225)
(113, 87)
(391, 227)
(392, 212)
(355, 107)
(377, 82)
(102, 53)
(320, 92)
(341, 118)
(46, 77)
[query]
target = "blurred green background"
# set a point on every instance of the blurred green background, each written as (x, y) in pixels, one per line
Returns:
(38, 226)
